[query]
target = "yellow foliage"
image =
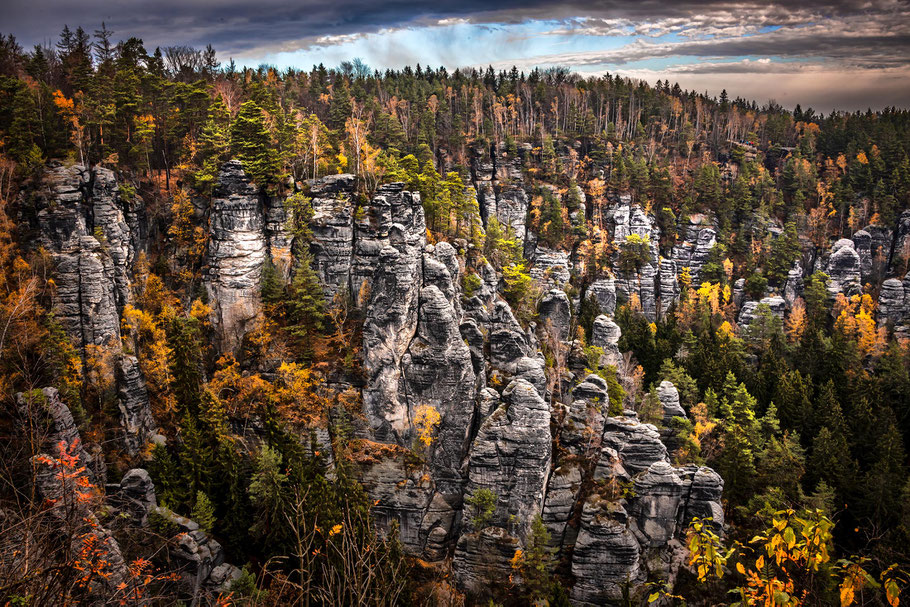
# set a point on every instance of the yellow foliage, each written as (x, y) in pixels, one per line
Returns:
(726, 329)
(426, 420)
(855, 320)
(796, 323)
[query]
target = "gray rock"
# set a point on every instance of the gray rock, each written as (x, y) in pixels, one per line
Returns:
(693, 251)
(511, 456)
(793, 288)
(629, 447)
(747, 314)
(862, 243)
(551, 268)
(562, 493)
(669, 400)
(844, 269)
(135, 413)
(891, 307)
(555, 313)
(483, 560)
(655, 507)
(606, 556)
(136, 496)
(669, 285)
(236, 253)
(332, 246)
(604, 291)
(605, 335)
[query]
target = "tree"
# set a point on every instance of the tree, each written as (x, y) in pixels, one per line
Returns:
(268, 494)
(251, 143)
(306, 303)
(203, 512)
(214, 145)
(736, 463)
(483, 502)
(534, 563)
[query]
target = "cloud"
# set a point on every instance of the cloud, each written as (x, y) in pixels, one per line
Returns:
(701, 39)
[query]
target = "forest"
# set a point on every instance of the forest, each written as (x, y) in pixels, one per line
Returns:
(202, 405)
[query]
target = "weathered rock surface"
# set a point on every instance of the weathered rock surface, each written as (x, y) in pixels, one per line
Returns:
(94, 236)
(604, 291)
(775, 304)
(697, 240)
(551, 268)
(669, 400)
(556, 313)
(236, 254)
(333, 232)
(844, 269)
(605, 335)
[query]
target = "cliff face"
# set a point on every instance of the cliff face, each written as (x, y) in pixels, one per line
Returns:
(94, 236)
(427, 345)
(540, 441)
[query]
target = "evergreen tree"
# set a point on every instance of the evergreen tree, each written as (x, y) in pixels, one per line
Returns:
(214, 145)
(306, 304)
(251, 143)
(203, 513)
(269, 496)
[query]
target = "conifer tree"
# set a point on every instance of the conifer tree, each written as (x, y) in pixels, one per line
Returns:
(251, 143)
(214, 145)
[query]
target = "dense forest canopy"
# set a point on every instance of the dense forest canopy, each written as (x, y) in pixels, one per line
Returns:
(804, 411)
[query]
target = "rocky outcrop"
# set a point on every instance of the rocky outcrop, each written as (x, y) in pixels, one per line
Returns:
(551, 268)
(333, 232)
(197, 558)
(393, 223)
(556, 314)
(776, 305)
(236, 254)
(793, 288)
(133, 402)
(605, 335)
(603, 290)
(669, 285)
(94, 235)
(697, 240)
(606, 556)
(64, 468)
(510, 457)
(669, 400)
(844, 269)
(499, 183)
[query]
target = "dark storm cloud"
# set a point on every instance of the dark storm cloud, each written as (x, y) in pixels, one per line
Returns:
(249, 27)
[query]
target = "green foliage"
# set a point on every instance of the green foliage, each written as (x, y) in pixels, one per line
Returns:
(470, 284)
(634, 253)
(483, 504)
(203, 512)
(518, 285)
(269, 495)
(306, 303)
(251, 143)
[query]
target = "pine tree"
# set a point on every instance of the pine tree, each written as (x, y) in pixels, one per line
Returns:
(830, 463)
(268, 494)
(887, 477)
(251, 143)
(339, 106)
(736, 463)
(306, 304)
(203, 512)
(214, 145)
(186, 362)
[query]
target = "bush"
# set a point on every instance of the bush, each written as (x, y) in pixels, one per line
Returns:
(483, 501)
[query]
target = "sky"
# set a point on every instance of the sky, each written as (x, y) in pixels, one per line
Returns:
(848, 55)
